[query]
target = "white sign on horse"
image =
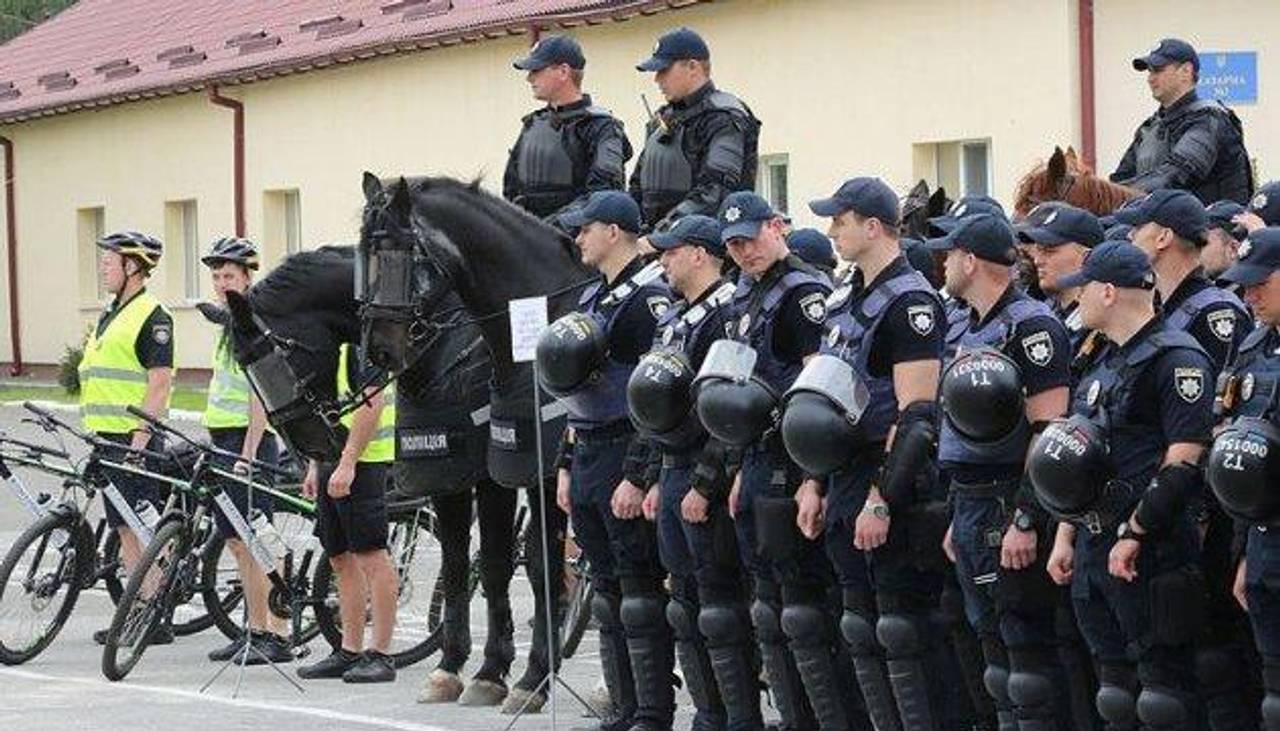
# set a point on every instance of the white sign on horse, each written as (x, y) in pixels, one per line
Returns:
(528, 320)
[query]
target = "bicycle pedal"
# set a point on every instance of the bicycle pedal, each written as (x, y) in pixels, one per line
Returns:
(301, 652)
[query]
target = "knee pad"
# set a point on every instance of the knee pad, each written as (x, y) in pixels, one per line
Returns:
(1271, 711)
(804, 624)
(859, 633)
(1160, 708)
(899, 635)
(642, 614)
(682, 620)
(721, 626)
(1116, 705)
(605, 608)
(1030, 689)
(767, 622)
(996, 680)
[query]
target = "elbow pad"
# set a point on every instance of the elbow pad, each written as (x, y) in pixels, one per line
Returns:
(1168, 495)
(915, 443)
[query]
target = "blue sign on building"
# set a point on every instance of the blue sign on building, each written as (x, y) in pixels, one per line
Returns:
(1229, 76)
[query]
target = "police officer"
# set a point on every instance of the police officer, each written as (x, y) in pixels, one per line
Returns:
(1189, 143)
(1169, 226)
(814, 248)
(1132, 571)
(883, 532)
(351, 523)
(692, 516)
(568, 148)
(778, 311)
(128, 361)
(1263, 208)
(1248, 489)
(1220, 243)
(700, 146)
(998, 530)
(1061, 236)
(602, 485)
(237, 423)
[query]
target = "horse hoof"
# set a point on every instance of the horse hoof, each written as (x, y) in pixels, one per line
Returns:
(442, 686)
(480, 692)
(519, 699)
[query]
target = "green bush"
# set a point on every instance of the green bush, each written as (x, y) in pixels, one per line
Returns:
(69, 368)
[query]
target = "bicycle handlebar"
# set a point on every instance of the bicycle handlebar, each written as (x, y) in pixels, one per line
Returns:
(206, 447)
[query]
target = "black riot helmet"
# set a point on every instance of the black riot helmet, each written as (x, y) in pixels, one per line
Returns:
(1070, 466)
(570, 352)
(660, 397)
(1243, 469)
(821, 415)
(733, 405)
(981, 395)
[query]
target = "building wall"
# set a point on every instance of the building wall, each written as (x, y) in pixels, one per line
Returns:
(844, 87)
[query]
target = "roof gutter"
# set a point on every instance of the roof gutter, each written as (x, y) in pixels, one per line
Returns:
(11, 244)
(237, 151)
(1088, 117)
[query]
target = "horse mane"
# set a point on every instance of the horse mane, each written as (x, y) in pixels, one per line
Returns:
(317, 279)
(1085, 190)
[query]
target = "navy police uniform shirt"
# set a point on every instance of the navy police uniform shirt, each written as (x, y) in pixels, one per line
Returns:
(1162, 400)
(154, 346)
(1219, 328)
(904, 336)
(798, 326)
(632, 333)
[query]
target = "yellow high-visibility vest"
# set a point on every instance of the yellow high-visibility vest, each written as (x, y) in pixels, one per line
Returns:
(382, 447)
(111, 376)
(228, 403)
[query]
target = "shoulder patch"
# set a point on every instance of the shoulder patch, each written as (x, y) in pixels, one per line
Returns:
(1038, 348)
(921, 318)
(1222, 323)
(162, 333)
(814, 307)
(658, 305)
(1189, 383)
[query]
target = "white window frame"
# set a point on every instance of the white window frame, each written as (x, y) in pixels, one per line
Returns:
(963, 147)
(764, 178)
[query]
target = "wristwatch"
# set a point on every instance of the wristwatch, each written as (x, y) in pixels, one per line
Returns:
(880, 510)
(1125, 530)
(1023, 521)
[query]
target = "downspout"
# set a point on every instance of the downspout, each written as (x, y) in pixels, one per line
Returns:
(1088, 121)
(11, 234)
(237, 151)
(535, 34)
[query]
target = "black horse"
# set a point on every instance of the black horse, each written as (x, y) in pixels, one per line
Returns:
(307, 305)
(460, 240)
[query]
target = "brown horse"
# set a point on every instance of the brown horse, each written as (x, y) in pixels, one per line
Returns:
(1065, 178)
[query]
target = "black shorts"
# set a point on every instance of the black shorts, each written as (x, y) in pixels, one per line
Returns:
(134, 488)
(358, 522)
(232, 440)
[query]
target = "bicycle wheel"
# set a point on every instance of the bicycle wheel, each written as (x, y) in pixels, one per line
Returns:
(110, 569)
(220, 588)
(40, 580)
(145, 601)
(190, 613)
(415, 557)
(577, 611)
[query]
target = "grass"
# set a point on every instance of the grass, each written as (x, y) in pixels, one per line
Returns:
(186, 398)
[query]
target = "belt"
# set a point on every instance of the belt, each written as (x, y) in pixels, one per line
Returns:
(676, 461)
(993, 489)
(604, 432)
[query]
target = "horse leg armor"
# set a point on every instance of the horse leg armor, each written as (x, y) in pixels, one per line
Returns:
(784, 680)
(650, 650)
(809, 637)
(869, 666)
(695, 665)
(725, 628)
(904, 647)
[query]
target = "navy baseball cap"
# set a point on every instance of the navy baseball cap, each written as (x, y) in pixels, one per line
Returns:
(693, 230)
(1169, 50)
(1174, 209)
(1265, 204)
(1054, 224)
(550, 51)
(813, 247)
(606, 206)
(1114, 262)
(985, 235)
(966, 206)
(868, 197)
(1118, 232)
(741, 215)
(1220, 215)
(1259, 256)
(675, 45)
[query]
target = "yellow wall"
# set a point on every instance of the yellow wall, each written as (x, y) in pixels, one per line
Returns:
(844, 87)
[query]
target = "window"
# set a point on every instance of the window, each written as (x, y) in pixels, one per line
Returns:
(282, 224)
(182, 235)
(771, 181)
(90, 226)
(975, 169)
(962, 167)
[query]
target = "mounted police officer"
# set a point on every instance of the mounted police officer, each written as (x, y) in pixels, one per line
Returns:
(1241, 465)
(1222, 237)
(775, 324)
(128, 361)
(237, 423)
(1190, 143)
(1119, 473)
(586, 358)
(691, 511)
(568, 148)
(1007, 375)
(883, 525)
(700, 146)
(1169, 226)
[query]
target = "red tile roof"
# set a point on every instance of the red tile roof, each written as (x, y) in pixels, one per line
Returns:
(100, 52)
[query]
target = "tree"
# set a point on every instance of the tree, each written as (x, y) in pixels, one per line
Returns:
(18, 16)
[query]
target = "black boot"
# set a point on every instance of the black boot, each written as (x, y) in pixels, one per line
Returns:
(785, 685)
(695, 665)
(615, 663)
(905, 644)
(649, 645)
(726, 629)
(870, 668)
(811, 642)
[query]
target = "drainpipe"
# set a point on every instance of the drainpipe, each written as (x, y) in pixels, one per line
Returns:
(535, 34)
(1088, 121)
(11, 234)
(237, 151)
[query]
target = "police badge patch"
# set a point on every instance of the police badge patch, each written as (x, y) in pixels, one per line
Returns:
(1222, 324)
(1189, 383)
(161, 334)
(1245, 247)
(1259, 201)
(1038, 348)
(814, 307)
(732, 214)
(658, 306)
(920, 318)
